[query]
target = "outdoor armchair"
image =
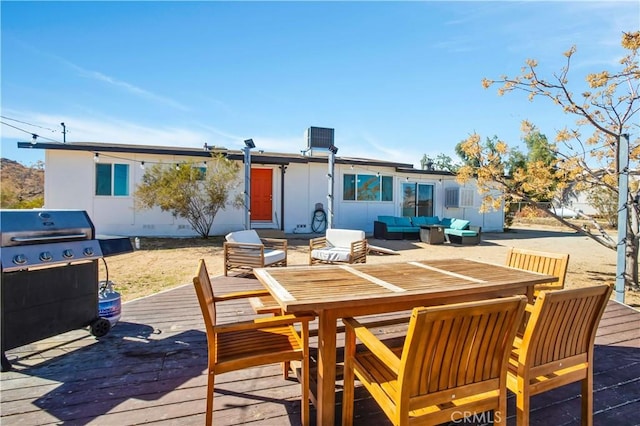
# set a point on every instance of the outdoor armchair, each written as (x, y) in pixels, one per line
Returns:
(338, 246)
(240, 345)
(543, 262)
(245, 250)
(453, 363)
(557, 347)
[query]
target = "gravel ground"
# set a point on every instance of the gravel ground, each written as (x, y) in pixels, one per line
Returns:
(166, 263)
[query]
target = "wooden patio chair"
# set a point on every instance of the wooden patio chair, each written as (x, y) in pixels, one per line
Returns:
(245, 250)
(453, 363)
(235, 346)
(338, 246)
(543, 262)
(557, 347)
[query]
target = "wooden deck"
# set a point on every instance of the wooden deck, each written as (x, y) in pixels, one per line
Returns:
(151, 369)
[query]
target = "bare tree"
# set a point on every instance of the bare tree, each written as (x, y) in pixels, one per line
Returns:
(607, 111)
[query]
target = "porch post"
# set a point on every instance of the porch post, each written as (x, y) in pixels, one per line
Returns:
(332, 154)
(623, 215)
(248, 144)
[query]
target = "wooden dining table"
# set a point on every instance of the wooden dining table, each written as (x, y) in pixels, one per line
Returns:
(340, 291)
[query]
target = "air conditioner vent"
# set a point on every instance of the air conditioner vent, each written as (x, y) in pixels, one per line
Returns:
(319, 137)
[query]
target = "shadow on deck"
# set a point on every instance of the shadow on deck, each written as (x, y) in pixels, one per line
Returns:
(151, 368)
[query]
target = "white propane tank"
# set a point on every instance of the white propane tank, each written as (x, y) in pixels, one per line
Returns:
(109, 303)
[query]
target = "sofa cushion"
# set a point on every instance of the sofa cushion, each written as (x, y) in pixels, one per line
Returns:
(343, 237)
(388, 220)
(403, 221)
(333, 254)
(247, 236)
(425, 220)
(459, 224)
(396, 228)
(446, 222)
(460, 232)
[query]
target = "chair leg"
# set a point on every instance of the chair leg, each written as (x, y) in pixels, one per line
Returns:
(285, 369)
(348, 378)
(587, 398)
(305, 408)
(500, 415)
(523, 401)
(210, 387)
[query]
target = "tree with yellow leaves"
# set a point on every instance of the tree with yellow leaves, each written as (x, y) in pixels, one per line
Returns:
(608, 112)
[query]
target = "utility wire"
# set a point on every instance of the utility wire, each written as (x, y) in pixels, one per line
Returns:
(28, 124)
(28, 132)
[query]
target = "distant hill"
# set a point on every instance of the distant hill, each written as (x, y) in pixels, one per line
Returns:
(21, 187)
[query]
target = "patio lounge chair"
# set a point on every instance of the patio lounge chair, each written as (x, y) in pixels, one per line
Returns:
(557, 347)
(338, 246)
(453, 363)
(240, 345)
(245, 250)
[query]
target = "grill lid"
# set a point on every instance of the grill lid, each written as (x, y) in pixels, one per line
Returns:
(25, 227)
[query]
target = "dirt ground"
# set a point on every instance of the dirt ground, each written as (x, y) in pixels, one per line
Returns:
(161, 264)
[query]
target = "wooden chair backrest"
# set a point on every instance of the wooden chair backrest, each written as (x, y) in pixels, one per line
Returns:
(464, 346)
(563, 324)
(206, 298)
(539, 261)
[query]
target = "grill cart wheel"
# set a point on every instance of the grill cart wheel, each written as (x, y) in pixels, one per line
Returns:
(100, 327)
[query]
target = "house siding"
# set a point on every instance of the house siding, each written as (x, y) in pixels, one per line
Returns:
(305, 185)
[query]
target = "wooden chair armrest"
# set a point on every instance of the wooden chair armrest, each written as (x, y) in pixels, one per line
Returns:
(275, 243)
(317, 243)
(244, 246)
(280, 320)
(375, 345)
(241, 295)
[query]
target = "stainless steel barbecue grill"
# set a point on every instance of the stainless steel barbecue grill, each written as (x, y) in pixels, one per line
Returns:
(49, 265)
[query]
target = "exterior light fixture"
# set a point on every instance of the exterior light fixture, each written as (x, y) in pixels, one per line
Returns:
(333, 149)
(96, 157)
(33, 138)
(142, 165)
(249, 143)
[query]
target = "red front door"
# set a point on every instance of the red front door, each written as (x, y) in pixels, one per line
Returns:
(261, 194)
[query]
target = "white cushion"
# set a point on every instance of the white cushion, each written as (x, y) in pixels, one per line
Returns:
(273, 256)
(247, 236)
(334, 254)
(343, 237)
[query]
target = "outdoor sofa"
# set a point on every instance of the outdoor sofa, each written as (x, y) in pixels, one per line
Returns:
(457, 231)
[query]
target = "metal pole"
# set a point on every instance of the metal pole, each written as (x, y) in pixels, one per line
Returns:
(247, 187)
(623, 214)
(64, 133)
(332, 160)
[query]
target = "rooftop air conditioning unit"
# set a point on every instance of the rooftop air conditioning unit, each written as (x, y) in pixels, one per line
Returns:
(319, 139)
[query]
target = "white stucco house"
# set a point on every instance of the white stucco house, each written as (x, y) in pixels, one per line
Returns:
(286, 189)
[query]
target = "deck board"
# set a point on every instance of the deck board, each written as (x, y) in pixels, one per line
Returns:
(151, 368)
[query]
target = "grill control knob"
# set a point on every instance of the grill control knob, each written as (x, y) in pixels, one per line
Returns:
(67, 254)
(88, 251)
(45, 256)
(19, 259)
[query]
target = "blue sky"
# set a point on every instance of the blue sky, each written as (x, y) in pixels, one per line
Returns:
(396, 80)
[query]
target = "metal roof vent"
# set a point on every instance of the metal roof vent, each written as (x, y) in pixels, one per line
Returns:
(319, 139)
